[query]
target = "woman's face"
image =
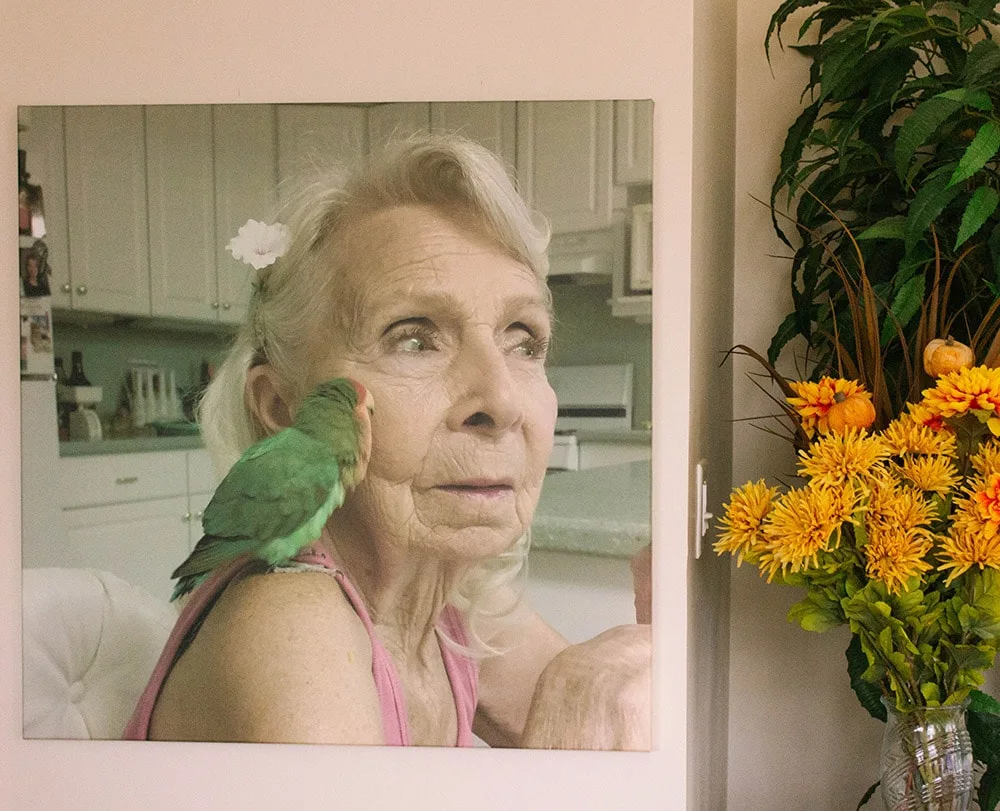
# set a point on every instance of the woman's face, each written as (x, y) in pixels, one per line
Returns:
(449, 335)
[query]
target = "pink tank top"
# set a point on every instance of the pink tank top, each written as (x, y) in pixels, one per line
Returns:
(463, 672)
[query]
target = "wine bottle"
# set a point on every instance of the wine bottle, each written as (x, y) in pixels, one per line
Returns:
(76, 373)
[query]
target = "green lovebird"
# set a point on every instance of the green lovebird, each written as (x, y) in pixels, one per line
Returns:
(277, 497)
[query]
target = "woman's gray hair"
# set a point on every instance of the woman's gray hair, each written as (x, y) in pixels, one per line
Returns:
(294, 299)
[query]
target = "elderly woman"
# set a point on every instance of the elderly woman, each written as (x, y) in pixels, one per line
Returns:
(423, 277)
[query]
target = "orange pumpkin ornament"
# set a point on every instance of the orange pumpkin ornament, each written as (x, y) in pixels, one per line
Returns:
(945, 355)
(850, 411)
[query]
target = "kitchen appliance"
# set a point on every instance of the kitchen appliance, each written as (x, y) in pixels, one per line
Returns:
(591, 399)
(84, 424)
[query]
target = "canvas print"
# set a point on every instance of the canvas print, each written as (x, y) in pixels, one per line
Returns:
(413, 507)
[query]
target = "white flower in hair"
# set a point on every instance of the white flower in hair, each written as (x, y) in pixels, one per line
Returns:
(259, 244)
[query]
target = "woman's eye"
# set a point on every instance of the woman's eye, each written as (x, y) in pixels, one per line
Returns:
(411, 344)
(410, 338)
(525, 343)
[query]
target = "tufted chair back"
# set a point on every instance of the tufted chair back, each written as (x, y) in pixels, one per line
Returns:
(89, 642)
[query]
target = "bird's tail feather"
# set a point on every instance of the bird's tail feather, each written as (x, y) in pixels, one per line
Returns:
(212, 551)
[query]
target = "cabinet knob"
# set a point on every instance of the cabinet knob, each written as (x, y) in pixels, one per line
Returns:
(226, 305)
(200, 514)
(186, 517)
(82, 289)
(67, 288)
(215, 305)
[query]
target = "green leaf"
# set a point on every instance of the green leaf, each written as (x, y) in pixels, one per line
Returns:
(904, 307)
(868, 794)
(787, 330)
(887, 228)
(928, 202)
(868, 694)
(918, 127)
(982, 63)
(979, 99)
(983, 703)
(785, 10)
(980, 208)
(979, 152)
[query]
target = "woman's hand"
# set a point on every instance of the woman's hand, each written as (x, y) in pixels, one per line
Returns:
(595, 695)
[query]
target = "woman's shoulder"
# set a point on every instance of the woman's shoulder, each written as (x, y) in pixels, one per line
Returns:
(280, 657)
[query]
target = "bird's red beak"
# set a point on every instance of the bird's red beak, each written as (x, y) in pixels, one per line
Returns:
(364, 396)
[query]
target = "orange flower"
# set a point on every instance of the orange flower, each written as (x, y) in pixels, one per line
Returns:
(987, 501)
(813, 400)
(957, 393)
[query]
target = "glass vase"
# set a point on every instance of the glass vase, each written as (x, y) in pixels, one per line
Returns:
(927, 759)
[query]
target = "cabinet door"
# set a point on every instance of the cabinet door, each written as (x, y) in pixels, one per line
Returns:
(490, 123)
(45, 144)
(315, 138)
(181, 211)
(141, 541)
(387, 122)
(106, 199)
(564, 162)
(634, 141)
(246, 181)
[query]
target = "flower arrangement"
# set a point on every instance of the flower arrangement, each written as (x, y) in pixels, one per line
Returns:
(894, 532)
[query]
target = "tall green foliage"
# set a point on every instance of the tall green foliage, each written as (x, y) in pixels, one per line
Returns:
(889, 187)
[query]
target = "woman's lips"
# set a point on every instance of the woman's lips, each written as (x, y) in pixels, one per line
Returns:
(478, 489)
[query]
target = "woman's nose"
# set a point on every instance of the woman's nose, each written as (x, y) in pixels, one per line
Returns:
(489, 398)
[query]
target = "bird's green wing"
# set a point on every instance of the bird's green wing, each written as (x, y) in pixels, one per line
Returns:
(275, 488)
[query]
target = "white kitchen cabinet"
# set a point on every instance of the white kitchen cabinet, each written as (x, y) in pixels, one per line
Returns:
(135, 514)
(246, 187)
(388, 122)
(44, 141)
(181, 199)
(140, 541)
(633, 141)
(318, 136)
(564, 162)
(490, 123)
(106, 200)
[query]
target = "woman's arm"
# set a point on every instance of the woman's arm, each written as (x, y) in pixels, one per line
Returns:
(546, 693)
(507, 682)
(280, 658)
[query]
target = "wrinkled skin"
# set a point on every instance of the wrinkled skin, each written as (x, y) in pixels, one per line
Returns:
(451, 344)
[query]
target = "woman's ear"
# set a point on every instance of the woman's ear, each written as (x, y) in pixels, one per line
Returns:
(265, 400)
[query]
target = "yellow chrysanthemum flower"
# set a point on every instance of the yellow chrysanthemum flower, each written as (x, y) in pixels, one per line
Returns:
(813, 400)
(802, 523)
(744, 513)
(923, 415)
(978, 511)
(957, 393)
(897, 523)
(836, 459)
(932, 474)
(905, 434)
(962, 550)
(894, 555)
(987, 459)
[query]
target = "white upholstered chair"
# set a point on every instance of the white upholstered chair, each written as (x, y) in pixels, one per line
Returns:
(90, 641)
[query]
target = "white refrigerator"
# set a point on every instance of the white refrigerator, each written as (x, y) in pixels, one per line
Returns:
(41, 518)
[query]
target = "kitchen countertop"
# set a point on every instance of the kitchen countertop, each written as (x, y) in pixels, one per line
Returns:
(133, 445)
(600, 511)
